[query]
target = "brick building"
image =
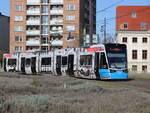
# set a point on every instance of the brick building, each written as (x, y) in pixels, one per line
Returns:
(133, 18)
(133, 29)
(50, 24)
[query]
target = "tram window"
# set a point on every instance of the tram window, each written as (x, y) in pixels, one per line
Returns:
(64, 61)
(86, 60)
(89, 59)
(103, 63)
(12, 62)
(28, 61)
(46, 61)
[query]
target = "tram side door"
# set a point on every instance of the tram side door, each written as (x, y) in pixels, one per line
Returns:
(33, 65)
(97, 65)
(5, 65)
(23, 65)
(104, 72)
(58, 65)
(70, 64)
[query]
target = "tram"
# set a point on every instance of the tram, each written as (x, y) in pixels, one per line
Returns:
(102, 61)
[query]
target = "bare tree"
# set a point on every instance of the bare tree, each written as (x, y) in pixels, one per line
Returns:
(109, 39)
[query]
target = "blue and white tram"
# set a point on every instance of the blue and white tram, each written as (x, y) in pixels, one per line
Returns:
(108, 61)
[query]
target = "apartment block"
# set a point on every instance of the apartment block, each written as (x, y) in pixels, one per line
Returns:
(50, 24)
(133, 29)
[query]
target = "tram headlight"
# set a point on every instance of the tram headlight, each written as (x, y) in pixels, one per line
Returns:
(112, 71)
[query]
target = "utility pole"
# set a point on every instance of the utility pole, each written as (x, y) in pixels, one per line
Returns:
(105, 30)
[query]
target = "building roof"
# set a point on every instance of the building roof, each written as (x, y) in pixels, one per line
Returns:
(3, 15)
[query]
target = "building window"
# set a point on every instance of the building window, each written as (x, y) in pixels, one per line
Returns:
(134, 39)
(70, 28)
(124, 39)
(134, 54)
(18, 28)
(18, 48)
(45, 20)
(45, 9)
(44, 40)
(18, 8)
(144, 54)
(71, 7)
(134, 68)
(45, 30)
(144, 40)
(143, 26)
(125, 25)
(18, 39)
(86, 15)
(70, 17)
(18, 18)
(44, 1)
(144, 68)
(133, 15)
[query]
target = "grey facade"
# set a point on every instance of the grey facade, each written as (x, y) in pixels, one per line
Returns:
(4, 33)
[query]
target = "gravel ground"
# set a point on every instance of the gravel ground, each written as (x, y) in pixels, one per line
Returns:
(57, 94)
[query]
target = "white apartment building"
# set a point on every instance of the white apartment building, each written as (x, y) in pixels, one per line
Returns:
(138, 49)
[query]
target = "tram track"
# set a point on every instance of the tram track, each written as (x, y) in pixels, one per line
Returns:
(138, 84)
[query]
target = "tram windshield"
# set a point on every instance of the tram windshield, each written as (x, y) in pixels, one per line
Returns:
(116, 54)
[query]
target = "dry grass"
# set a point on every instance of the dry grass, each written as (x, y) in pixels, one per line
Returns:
(51, 94)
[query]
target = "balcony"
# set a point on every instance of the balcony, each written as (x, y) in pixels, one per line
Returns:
(32, 43)
(57, 2)
(56, 11)
(33, 22)
(33, 32)
(56, 22)
(57, 42)
(33, 2)
(33, 12)
(56, 33)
